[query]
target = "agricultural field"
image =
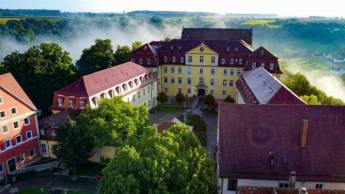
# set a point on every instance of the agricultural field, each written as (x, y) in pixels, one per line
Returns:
(4, 20)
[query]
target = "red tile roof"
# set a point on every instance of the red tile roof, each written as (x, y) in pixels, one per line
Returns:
(267, 190)
(9, 84)
(96, 82)
(258, 86)
(248, 133)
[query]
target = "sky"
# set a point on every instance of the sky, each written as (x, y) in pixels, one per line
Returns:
(329, 8)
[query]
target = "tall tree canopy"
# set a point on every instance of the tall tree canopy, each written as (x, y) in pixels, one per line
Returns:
(171, 162)
(122, 54)
(40, 71)
(99, 56)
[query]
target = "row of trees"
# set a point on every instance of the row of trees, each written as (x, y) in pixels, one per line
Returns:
(145, 161)
(45, 68)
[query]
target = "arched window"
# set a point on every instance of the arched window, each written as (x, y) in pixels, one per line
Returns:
(124, 87)
(111, 93)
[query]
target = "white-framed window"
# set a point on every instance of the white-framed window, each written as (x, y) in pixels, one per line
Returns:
(225, 72)
(232, 185)
(318, 186)
(172, 69)
(223, 61)
(13, 110)
(224, 92)
(213, 59)
(165, 59)
(26, 121)
(212, 82)
(231, 72)
(231, 61)
(60, 101)
(238, 72)
(42, 132)
(15, 125)
(271, 66)
(253, 65)
(140, 61)
(227, 49)
(201, 70)
(231, 83)
(1, 102)
(240, 61)
(189, 70)
(2, 114)
(263, 64)
(190, 59)
(19, 139)
(172, 80)
(165, 69)
(8, 143)
(4, 129)
(53, 133)
(28, 135)
(44, 148)
(71, 103)
(20, 157)
(212, 71)
(32, 153)
(181, 59)
(82, 103)
(201, 59)
(189, 81)
(179, 70)
(224, 82)
(189, 91)
(174, 59)
(180, 80)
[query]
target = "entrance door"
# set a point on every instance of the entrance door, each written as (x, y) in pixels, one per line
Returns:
(201, 92)
(11, 165)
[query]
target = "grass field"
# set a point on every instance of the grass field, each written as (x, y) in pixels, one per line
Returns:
(257, 22)
(4, 20)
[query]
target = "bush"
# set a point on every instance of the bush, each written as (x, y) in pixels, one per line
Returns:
(229, 99)
(180, 98)
(209, 100)
(162, 98)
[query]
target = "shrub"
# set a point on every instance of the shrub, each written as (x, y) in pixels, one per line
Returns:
(229, 99)
(209, 100)
(162, 98)
(180, 98)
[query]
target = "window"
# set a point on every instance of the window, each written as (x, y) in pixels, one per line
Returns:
(8, 143)
(15, 125)
(42, 132)
(165, 59)
(232, 185)
(231, 61)
(240, 61)
(4, 129)
(140, 61)
(212, 71)
(202, 49)
(231, 72)
(148, 61)
(133, 98)
(224, 92)
(201, 59)
(189, 70)
(189, 91)
(238, 72)
(189, 81)
(212, 82)
(28, 135)
(172, 80)
(132, 59)
(26, 121)
(271, 66)
(223, 61)
(139, 95)
(82, 104)
(211, 92)
(32, 153)
(225, 72)
(179, 90)
(71, 103)
(253, 65)
(180, 80)
(318, 186)
(283, 185)
(190, 59)
(227, 49)
(231, 83)
(1, 168)
(1, 102)
(224, 82)
(165, 80)
(213, 59)
(60, 101)
(181, 59)
(144, 91)
(165, 69)
(2, 114)
(172, 69)
(20, 157)
(44, 148)
(174, 59)
(179, 70)
(263, 65)
(13, 110)
(19, 139)
(201, 70)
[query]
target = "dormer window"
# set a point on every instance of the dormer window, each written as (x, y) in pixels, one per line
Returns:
(231, 61)
(240, 61)
(190, 59)
(181, 59)
(124, 87)
(271, 66)
(60, 101)
(202, 49)
(71, 103)
(223, 61)
(179, 48)
(263, 65)
(172, 48)
(174, 59)
(236, 49)
(253, 65)
(227, 49)
(140, 61)
(82, 104)
(213, 59)
(130, 84)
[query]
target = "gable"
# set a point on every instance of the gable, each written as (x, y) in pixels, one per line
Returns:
(10, 101)
(206, 50)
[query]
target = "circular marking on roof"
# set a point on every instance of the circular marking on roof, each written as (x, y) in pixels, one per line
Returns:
(260, 136)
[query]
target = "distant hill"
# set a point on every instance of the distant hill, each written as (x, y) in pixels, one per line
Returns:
(169, 13)
(252, 15)
(29, 12)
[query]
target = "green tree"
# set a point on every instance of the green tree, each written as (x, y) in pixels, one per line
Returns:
(167, 39)
(113, 121)
(311, 100)
(156, 21)
(75, 144)
(41, 70)
(121, 54)
(98, 57)
(180, 98)
(229, 99)
(209, 100)
(136, 44)
(162, 98)
(171, 162)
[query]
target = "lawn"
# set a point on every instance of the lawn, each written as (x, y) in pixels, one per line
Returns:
(4, 20)
(169, 108)
(37, 190)
(257, 22)
(90, 169)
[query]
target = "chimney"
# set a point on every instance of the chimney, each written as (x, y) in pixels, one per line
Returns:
(304, 133)
(292, 179)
